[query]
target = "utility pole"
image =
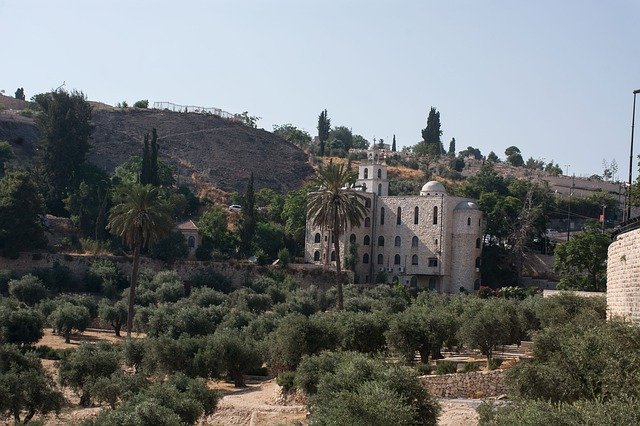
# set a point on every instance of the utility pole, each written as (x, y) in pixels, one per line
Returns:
(604, 206)
(567, 167)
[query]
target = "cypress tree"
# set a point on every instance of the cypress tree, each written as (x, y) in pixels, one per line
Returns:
(393, 145)
(324, 127)
(452, 147)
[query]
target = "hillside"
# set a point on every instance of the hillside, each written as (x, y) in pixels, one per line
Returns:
(206, 151)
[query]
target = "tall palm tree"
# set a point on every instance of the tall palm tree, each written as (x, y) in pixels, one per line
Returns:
(335, 207)
(142, 217)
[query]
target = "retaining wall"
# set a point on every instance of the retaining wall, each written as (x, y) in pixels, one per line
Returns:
(477, 384)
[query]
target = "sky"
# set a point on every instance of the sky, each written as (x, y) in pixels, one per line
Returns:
(554, 78)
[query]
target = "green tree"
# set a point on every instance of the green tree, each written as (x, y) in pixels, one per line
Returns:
(65, 127)
(294, 215)
(6, 154)
(28, 289)
(340, 140)
(452, 148)
(144, 103)
(582, 261)
(20, 93)
(115, 314)
(514, 157)
(493, 157)
(68, 317)
(89, 203)
(248, 218)
(213, 225)
(170, 248)
(431, 143)
(359, 142)
(21, 211)
(290, 133)
(20, 326)
(393, 144)
(324, 127)
(471, 151)
(140, 219)
(335, 208)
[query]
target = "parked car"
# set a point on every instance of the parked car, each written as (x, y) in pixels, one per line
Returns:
(235, 208)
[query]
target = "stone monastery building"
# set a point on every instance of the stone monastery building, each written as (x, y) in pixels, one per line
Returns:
(432, 240)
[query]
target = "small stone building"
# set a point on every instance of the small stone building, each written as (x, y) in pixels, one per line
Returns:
(191, 235)
(432, 240)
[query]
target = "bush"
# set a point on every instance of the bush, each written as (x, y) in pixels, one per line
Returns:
(28, 289)
(56, 279)
(423, 369)
(287, 380)
(494, 363)
(144, 103)
(212, 279)
(446, 367)
(170, 248)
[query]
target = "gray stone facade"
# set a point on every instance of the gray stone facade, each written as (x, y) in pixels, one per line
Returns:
(623, 276)
(431, 240)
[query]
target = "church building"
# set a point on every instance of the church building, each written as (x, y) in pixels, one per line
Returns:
(432, 240)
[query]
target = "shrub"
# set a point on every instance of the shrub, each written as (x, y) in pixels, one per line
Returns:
(284, 257)
(446, 367)
(494, 363)
(144, 103)
(423, 369)
(28, 289)
(470, 367)
(170, 248)
(286, 379)
(212, 279)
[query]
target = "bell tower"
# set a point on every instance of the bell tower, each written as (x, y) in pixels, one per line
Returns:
(372, 174)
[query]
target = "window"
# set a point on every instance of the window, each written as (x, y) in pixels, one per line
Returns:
(395, 279)
(316, 256)
(366, 173)
(396, 259)
(352, 238)
(365, 258)
(478, 242)
(414, 259)
(468, 221)
(415, 215)
(476, 285)
(477, 262)
(333, 256)
(367, 202)
(433, 261)
(414, 281)
(435, 215)
(432, 283)
(380, 259)
(367, 222)
(367, 240)
(436, 242)
(414, 241)
(397, 241)
(399, 217)
(380, 241)
(191, 242)
(379, 189)
(381, 215)
(479, 222)
(379, 173)
(316, 239)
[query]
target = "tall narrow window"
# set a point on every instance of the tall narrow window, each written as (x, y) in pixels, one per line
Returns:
(396, 259)
(399, 217)
(398, 241)
(468, 221)
(381, 215)
(414, 241)
(379, 173)
(414, 259)
(365, 258)
(366, 173)
(477, 262)
(333, 256)
(192, 242)
(379, 189)
(380, 259)
(478, 242)
(380, 241)
(435, 215)
(367, 240)
(352, 238)
(316, 239)
(367, 202)
(367, 222)
(316, 256)
(416, 212)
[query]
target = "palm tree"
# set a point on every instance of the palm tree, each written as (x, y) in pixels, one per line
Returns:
(142, 217)
(335, 207)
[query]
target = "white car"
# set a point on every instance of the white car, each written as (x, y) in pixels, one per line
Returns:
(235, 208)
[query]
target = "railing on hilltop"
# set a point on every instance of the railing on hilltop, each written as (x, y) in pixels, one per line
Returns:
(629, 225)
(197, 109)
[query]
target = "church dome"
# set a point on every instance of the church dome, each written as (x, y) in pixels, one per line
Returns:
(466, 205)
(433, 188)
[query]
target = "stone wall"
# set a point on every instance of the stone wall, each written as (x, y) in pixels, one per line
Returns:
(477, 384)
(623, 276)
(238, 273)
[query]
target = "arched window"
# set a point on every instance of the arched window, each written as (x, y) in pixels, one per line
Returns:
(333, 256)
(379, 173)
(365, 258)
(379, 189)
(381, 215)
(414, 259)
(380, 241)
(414, 241)
(380, 259)
(367, 240)
(435, 215)
(316, 239)
(436, 243)
(432, 283)
(414, 281)
(191, 242)
(395, 279)
(367, 201)
(366, 173)
(396, 259)
(398, 241)
(352, 238)
(478, 242)
(468, 221)
(416, 212)
(316, 256)
(477, 262)
(399, 217)
(367, 222)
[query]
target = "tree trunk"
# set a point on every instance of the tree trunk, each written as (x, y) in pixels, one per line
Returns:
(132, 289)
(336, 247)
(117, 326)
(67, 336)
(238, 378)
(424, 354)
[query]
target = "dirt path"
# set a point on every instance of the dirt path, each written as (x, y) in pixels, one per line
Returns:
(459, 412)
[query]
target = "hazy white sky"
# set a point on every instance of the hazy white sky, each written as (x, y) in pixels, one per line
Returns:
(554, 78)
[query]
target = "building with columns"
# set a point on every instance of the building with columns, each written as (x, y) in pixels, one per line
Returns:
(432, 240)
